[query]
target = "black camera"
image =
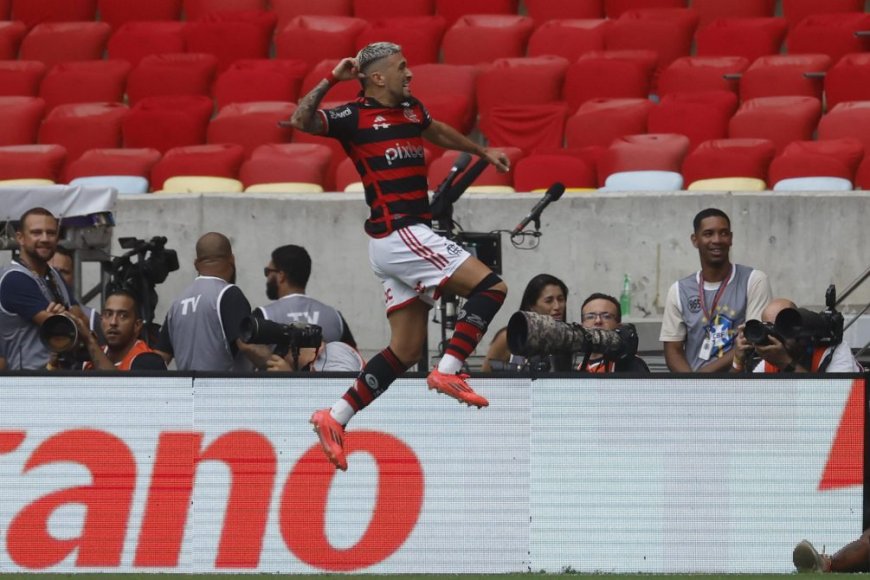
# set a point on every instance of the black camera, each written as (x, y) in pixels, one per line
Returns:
(758, 333)
(531, 334)
(60, 334)
(285, 337)
(823, 328)
(153, 264)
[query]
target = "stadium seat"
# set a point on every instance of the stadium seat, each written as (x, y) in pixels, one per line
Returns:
(567, 38)
(419, 36)
(134, 162)
(116, 13)
(11, 34)
(667, 31)
(652, 151)
(161, 75)
(848, 80)
(127, 184)
(82, 126)
(699, 116)
(701, 74)
(862, 178)
(337, 155)
(483, 38)
(251, 124)
(285, 187)
(541, 79)
(813, 184)
(849, 119)
(287, 10)
(20, 78)
(19, 183)
(35, 12)
(527, 127)
(346, 176)
(544, 10)
(600, 121)
(780, 119)
(19, 120)
(136, 40)
(288, 162)
(163, 123)
(222, 160)
(831, 34)
(251, 34)
(796, 10)
(448, 91)
(200, 184)
(5, 9)
(32, 162)
(829, 158)
(313, 39)
(781, 75)
(616, 8)
(722, 158)
(440, 167)
(55, 42)
(710, 10)
(259, 80)
(89, 81)
(621, 74)
(377, 9)
(728, 184)
(750, 38)
(453, 10)
(643, 180)
(539, 171)
(199, 9)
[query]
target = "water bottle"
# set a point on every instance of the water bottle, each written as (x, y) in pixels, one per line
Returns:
(625, 297)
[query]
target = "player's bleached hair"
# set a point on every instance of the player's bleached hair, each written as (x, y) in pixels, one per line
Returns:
(374, 52)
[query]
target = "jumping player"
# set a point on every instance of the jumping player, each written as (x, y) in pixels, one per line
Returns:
(383, 131)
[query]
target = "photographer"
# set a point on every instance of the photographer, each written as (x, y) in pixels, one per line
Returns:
(803, 353)
(328, 357)
(603, 311)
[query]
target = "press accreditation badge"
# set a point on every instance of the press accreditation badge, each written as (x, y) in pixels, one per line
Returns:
(706, 349)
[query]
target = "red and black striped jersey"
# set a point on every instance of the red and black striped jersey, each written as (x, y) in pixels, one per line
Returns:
(386, 145)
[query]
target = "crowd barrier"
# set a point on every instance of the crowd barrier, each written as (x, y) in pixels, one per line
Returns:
(193, 473)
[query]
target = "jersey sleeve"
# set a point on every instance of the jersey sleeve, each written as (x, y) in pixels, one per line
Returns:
(758, 294)
(234, 307)
(425, 116)
(20, 294)
(164, 341)
(673, 327)
(339, 122)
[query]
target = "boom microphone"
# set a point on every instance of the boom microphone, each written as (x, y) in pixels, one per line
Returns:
(439, 203)
(553, 194)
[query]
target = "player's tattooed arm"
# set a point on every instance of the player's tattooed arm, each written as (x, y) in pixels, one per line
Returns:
(305, 117)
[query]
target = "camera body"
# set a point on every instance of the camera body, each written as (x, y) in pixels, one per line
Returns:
(285, 337)
(823, 328)
(153, 264)
(532, 334)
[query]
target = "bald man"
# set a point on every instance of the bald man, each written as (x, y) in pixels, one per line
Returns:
(792, 355)
(201, 330)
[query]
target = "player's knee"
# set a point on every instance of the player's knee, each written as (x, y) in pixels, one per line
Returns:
(492, 281)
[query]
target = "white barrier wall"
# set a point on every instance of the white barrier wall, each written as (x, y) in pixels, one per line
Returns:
(630, 475)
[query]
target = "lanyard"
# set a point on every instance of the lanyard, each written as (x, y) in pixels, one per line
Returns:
(716, 298)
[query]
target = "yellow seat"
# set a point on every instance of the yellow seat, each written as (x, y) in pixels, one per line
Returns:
(201, 184)
(285, 187)
(490, 189)
(355, 187)
(728, 184)
(35, 182)
(567, 189)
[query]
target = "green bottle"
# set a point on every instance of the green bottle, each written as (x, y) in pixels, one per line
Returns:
(625, 297)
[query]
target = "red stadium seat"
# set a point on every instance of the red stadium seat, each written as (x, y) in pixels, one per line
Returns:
(90, 81)
(785, 75)
(615, 8)
(831, 34)
(653, 151)
(316, 38)
(20, 78)
(32, 162)
(780, 119)
(337, 151)
(701, 74)
(168, 121)
(56, 42)
(567, 38)
(222, 160)
(540, 171)
(849, 119)
(259, 80)
(345, 174)
(440, 167)
(710, 10)
(600, 121)
(848, 80)
(251, 124)
(136, 40)
(82, 126)
(448, 91)
(541, 79)
(287, 10)
(5, 9)
(377, 9)
(198, 9)
(831, 158)
(344, 92)
(796, 10)
(699, 116)
(172, 74)
(668, 32)
(527, 127)
(729, 158)
(862, 178)
(419, 36)
(288, 162)
(113, 162)
(479, 39)
(624, 74)
(33, 12)
(251, 34)
(750, 38)
(11, 34)
(453, 10)
(544, 10)
(19, 120)
(116, 13)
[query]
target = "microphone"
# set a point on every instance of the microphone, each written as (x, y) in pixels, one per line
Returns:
(458, 167)
(553, 194)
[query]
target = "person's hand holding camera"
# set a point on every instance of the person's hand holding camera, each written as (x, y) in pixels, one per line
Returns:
(278, 364)
(776, 353)
(742, 350)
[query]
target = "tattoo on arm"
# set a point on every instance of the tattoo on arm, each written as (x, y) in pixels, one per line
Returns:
(305, 117)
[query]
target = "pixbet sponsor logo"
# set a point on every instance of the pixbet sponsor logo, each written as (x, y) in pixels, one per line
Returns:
(406, 151)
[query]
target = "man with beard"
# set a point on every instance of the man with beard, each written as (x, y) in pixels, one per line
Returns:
(704, 310)
(201, 330)
(31, 291)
